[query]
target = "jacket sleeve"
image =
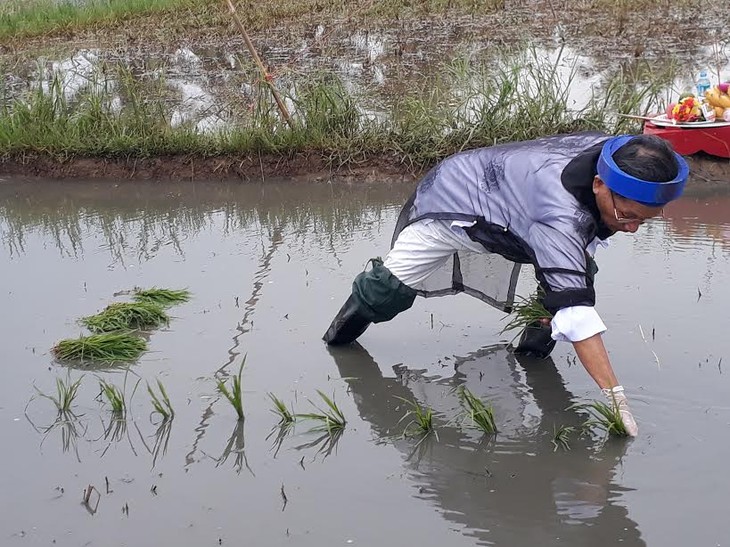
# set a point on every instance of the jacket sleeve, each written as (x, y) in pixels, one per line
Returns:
(561, 267)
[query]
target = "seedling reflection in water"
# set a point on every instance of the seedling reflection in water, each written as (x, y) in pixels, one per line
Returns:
(234, 395)
(480, 414)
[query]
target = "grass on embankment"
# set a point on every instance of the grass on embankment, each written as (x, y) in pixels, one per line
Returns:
(467, 106)
(30, 18)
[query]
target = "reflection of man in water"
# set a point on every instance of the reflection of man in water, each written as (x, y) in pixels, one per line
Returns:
(478, 215)
(516, 490)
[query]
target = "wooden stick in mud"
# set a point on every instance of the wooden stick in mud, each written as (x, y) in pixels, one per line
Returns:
(264, 73)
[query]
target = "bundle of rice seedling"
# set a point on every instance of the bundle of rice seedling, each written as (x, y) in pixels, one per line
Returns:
(527, 312)
(124, 316)
(107, 347)
(162, 297)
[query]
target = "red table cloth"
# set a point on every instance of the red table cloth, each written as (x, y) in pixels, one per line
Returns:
(687, 141)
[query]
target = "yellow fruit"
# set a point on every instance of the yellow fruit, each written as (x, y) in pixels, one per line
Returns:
(724, 100)
(712, 96)
(719, 111)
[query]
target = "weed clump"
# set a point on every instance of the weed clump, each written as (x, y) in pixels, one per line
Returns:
(108, 347)
(124, 316)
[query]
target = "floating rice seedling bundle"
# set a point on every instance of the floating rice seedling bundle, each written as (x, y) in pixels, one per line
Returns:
(126, 316)
(481, 415)
(107, 347)
(162, 297)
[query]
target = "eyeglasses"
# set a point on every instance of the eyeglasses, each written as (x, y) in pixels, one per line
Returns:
(627, 220)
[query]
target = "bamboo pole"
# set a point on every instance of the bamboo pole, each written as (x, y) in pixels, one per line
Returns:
(264, 73)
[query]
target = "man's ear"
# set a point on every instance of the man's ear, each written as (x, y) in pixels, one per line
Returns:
(597, 184)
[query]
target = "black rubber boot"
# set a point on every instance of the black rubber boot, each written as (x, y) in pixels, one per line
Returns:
(347, 325)
(377, 295)
(536, 341)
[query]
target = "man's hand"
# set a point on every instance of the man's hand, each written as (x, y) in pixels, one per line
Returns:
(616, 396)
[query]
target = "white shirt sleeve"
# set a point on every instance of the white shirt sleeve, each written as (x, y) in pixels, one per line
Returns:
(576, 323)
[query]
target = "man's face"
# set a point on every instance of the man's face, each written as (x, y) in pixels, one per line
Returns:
(618, 213)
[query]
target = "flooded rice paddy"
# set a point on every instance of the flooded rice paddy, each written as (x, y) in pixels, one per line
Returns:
(268, 265)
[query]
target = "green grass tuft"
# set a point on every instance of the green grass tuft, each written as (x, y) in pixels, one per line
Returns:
(234, 395)
(109, 347)
(125, 316)
(162, 297)
(481, 415)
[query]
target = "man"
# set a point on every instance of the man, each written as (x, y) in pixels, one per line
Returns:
(549, 203)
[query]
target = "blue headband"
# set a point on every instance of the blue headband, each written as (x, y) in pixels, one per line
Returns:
(652, 194)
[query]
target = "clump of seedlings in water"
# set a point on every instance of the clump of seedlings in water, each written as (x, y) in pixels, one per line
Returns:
(66, 392)
(527, 312)
(234, 395)
(161, 403)
(331, 418)
(115, 398)
(606, 417)
(480, 414)
(162, 297)
(109, 347)
(421, 423)
(125, 316)
(286, 416)
(561, 437)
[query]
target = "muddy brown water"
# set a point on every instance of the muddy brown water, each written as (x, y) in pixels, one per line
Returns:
(268, 265)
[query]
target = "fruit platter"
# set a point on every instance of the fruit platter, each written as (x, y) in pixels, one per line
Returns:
(712, 110)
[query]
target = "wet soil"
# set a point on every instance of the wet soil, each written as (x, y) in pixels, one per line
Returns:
(268, 265)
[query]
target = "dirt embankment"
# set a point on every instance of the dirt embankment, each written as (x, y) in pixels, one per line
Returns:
(707, 174)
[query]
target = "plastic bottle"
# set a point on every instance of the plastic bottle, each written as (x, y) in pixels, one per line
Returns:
(703, 84)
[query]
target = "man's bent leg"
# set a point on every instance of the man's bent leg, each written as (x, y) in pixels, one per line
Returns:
(377, 295)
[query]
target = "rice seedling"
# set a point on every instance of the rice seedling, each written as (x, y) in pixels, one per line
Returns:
(66, 392)
(234, 395)
(606, 417)
(161, 403)
(286, 416)
(162, 297)
(108, 347)
(480, 414)
(526, 312)
(115, 397)
(421, 423)
(125, 316)
(330, 417)
(561, 436)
